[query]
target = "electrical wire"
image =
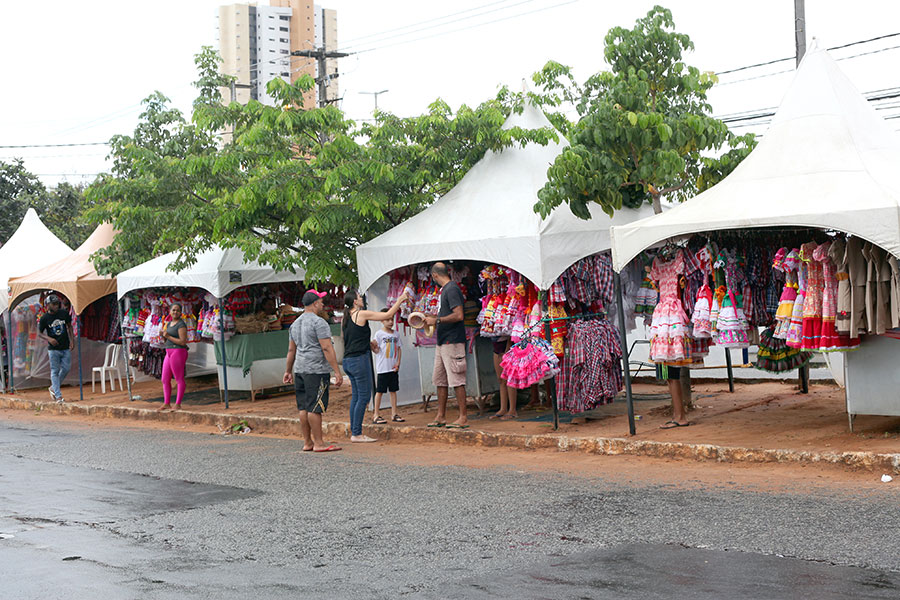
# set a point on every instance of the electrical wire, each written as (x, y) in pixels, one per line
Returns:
(58, 145)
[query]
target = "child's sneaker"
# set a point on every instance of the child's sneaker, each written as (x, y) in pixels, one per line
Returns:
(60, 400)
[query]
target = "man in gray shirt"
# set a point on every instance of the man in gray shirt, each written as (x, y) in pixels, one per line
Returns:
(310, 360)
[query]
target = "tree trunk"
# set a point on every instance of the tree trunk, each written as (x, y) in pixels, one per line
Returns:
(657, 206)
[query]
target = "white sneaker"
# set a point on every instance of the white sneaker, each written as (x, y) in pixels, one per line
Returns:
(60, 400)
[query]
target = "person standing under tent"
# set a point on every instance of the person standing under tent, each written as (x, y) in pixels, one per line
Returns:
(450, 353)
(55, 328)
(357, 359)
(388, 354)
(508, 409)
(310, 360)
(174, 336)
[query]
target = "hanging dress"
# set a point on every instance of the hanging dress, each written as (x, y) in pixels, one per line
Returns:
(794, 337)
(812, 305)
(831, 340)
(668, 332)
(732, 324)
(836, 253)
(789, 267)
(774, 356)
(700, 318)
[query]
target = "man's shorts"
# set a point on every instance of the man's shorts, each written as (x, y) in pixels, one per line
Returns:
(387, 382)
(312, 391)
(449, 365)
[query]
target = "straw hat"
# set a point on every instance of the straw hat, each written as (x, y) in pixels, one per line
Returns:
(416, 320)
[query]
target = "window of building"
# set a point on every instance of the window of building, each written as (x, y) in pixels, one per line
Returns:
(284, 18)
(284, 52)
(283, 28)
(285, 40)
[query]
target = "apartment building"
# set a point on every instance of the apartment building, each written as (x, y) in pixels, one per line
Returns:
(256, 42)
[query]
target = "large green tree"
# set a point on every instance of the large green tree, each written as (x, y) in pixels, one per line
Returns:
(60, 208)
(645, 128)
(291, 187)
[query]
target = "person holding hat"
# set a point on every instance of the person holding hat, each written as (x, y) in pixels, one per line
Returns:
(310, 360)
(357, 361)
(55, 328)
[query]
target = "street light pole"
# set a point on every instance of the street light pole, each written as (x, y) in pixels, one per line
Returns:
(376, 94)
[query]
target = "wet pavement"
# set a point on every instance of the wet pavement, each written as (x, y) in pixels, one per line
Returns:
(124, 513)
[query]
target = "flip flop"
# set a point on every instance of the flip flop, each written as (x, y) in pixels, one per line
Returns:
(398, 419)
(307, 449)
(379, 421)
(673, 425)
(456, 426)
(331, 448)
(436, 424)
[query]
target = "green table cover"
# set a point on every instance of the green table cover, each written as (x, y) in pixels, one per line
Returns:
(243, 349)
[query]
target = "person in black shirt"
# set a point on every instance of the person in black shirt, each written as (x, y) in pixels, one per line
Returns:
(54, 327)
(450, 353)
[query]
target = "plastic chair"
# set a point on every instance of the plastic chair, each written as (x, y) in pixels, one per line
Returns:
(110, 366)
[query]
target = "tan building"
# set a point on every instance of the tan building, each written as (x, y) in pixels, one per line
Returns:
(256, 43)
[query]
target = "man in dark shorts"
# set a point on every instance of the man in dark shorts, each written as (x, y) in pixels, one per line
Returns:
(450, 353)
(310, 360)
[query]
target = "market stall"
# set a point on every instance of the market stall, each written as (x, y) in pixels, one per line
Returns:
(225, 293)
(817, 198)
(76, 279)
(30, 248)
(487, 221)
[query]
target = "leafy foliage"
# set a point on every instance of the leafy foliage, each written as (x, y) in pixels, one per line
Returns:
(60, 209)
(644, 125)
(293, 188)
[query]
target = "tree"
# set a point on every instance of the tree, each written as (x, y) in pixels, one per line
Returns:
(60, 209)
(645, 126)
(291, 187)
(19, 190)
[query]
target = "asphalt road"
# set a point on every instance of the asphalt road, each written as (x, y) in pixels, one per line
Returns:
(96, 512)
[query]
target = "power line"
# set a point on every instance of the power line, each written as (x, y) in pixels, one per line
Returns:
(429, 37)
(487, 12)
(381, 33)
(58, 145)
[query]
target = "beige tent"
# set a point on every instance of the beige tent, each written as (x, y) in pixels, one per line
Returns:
(74, 276)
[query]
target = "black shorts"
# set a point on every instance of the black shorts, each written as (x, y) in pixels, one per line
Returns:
(674, 373)
(312, 391)
(387, 382)
(500, 345)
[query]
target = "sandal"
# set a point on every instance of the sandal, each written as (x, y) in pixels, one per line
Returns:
(436, 424)
(379, 420)
(674, 424)
(398, 419)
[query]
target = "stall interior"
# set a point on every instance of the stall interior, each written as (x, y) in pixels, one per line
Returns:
(582, 353)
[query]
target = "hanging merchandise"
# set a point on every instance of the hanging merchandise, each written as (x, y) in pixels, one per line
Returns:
(775, 356)
(529, 362)
(647, 296)
(591, 372)
(790, 267)
(668, 332)
(732, 327)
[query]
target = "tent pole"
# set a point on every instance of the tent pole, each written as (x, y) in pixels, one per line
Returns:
(9, 343)
(121, 312)
(623, 340)
(730, 370)
(80, 373)
(222, 338)
(545, 313)
(2, 376)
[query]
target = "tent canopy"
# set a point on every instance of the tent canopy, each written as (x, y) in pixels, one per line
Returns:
(73, 276)
(218, 271)
(30, 248)
(828, 161)
(489, 216)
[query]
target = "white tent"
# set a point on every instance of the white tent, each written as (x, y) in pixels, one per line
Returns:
(828, 161)
(489, 216)
(31, 248)
(217, 270)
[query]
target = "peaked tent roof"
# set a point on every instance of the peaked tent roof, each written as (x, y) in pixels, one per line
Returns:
(217, 270)
(828, 160)
(31, 247)
(74, 276)
(489, 216)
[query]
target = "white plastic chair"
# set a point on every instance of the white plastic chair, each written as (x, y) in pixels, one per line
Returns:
(110, 366)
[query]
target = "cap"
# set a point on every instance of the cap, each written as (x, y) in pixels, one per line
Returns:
(52, 299)
(311, 296)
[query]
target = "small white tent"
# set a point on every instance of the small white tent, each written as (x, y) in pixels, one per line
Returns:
(31, 248)
(828, 160)
(218, 271)
(489, 216)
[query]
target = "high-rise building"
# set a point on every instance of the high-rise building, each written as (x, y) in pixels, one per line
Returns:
(256, 43)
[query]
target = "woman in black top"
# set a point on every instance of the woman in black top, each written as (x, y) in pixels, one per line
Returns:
(357, 362)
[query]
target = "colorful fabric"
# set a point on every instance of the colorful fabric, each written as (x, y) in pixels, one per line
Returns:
(668, 332)
(591, 372)
(775, 356)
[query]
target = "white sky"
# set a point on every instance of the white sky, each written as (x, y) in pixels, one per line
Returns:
(76, 72)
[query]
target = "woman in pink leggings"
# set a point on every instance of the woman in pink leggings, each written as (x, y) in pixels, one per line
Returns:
(175, 336)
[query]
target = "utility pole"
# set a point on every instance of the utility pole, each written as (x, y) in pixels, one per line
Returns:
(376, 94)
(233, 86)
(323, 79)
(800, 28)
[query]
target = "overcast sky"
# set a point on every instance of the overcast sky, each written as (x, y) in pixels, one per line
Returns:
(76, 72)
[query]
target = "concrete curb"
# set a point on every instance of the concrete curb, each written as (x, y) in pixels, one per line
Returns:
(869, 461)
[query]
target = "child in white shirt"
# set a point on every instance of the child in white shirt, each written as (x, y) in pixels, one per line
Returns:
(387, 364)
